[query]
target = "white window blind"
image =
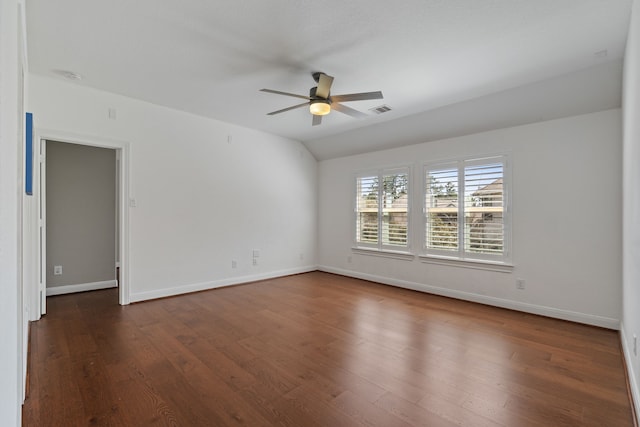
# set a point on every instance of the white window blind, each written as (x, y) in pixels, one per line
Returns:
(484, 208)
(465, 209)
(367, 224)
(442, 209)
(382, 209)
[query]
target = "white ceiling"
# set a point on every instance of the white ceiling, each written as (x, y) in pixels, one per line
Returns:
(437, 62)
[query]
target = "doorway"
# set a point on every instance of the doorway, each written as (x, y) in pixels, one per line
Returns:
(81, 218)
(83, 223)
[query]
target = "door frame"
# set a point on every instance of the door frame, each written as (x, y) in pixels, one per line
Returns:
(122, 215)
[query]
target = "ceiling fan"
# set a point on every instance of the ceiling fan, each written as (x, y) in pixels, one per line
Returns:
(320, 100)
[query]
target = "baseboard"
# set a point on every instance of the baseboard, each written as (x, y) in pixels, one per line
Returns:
(589, 319)
(631, 374)
(82, 287)
(196, 287)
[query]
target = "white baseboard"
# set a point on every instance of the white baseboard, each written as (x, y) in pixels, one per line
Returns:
(196, 287)
(81, 287)
(589, 319)
(633, 383)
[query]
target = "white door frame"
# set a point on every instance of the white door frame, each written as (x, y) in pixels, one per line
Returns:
(122, 205)
(41, 171)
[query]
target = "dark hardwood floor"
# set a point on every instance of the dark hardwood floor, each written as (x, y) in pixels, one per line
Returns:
(317, 350)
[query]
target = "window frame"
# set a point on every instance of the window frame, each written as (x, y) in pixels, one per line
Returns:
(461, 254)
(380, 246)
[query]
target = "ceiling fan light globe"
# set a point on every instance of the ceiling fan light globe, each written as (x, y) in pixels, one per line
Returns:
(319, 108)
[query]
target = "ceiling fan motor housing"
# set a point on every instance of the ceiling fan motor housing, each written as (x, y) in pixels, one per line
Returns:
(313, 95)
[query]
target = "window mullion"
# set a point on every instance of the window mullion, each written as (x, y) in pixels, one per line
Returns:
(461, 211)
(380, 208)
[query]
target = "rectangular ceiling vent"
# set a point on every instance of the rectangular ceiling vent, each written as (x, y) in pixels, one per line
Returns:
(380, 109)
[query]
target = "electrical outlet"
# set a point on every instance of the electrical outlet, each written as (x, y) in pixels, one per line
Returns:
(234, 263)
(57, 270)
(520, 284)
(255, 261)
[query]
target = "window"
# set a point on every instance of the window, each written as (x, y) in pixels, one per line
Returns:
(466, 209)
(382, 208)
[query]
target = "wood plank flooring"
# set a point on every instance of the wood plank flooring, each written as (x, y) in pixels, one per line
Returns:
(317, 350)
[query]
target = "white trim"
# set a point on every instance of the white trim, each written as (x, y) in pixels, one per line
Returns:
(405, 256)
(41, 174)
(81, 287)
(204, 286)
(122, 148)
(573, 316)
(467, 263)
(631, 374)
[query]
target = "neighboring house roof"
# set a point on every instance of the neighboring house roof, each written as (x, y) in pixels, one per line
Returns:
(495, 187)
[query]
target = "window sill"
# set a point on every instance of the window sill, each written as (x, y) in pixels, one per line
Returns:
(406, 256)
(467, 263)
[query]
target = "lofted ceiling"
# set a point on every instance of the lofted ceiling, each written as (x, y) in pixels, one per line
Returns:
(438, 62)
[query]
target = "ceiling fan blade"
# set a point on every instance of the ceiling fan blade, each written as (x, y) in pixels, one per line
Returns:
(277, 92)
(348, 111)
(357, 96)
(287, 109)
(316, 120)
(324, 86)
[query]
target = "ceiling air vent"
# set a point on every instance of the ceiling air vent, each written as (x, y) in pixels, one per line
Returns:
(380, 109)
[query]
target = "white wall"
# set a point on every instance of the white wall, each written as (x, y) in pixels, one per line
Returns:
(206, 192)
(10, 191)
(566, 225)
(631, 210)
